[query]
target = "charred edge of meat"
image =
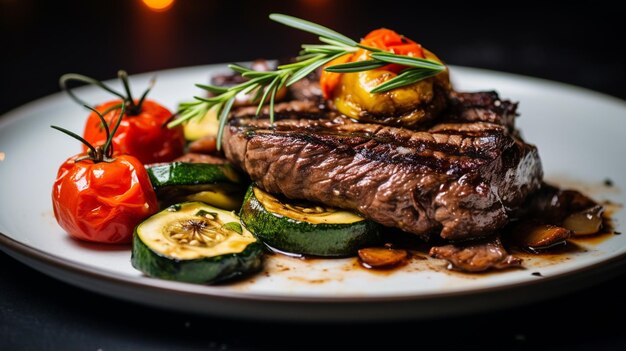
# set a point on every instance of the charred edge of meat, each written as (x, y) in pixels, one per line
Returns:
(290, 110)
(484, 106)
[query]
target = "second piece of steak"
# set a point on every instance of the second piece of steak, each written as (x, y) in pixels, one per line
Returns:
(476, 257)
(460, 179)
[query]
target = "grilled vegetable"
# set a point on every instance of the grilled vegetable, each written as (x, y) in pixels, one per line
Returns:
(141, 131)
(197, 243)
(585, 222)
(100, 198)
(382, 257)
(217, 185)
(538, 236)
(198, 128)
(305, 228)
(360, 94)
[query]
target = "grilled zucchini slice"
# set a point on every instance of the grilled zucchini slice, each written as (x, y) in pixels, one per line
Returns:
(306, 228)
(217, 185)
(197, 243)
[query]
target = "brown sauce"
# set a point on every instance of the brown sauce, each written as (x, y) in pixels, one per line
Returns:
(550, 256)
(594, 239)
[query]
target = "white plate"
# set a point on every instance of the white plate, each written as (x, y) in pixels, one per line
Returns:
(580, 135)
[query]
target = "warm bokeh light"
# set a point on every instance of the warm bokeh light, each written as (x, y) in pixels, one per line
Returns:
(159, 5)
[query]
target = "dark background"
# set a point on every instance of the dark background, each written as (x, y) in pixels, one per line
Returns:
(576, 43)
(579, 44)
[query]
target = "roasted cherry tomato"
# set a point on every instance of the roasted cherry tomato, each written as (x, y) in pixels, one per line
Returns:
(100, 197)
(102, 201)
(143, 135)
(143, 132)
(384, 39)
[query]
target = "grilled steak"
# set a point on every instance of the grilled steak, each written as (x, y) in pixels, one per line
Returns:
(461, 178)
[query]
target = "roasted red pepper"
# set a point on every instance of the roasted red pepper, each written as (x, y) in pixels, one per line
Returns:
(384, 39)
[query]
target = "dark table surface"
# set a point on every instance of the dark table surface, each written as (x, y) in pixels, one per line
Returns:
(40, 40)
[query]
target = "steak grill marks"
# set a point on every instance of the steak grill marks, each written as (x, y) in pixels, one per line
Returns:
(443, 152)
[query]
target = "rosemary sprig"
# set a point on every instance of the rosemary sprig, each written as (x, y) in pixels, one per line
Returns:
(265, 84)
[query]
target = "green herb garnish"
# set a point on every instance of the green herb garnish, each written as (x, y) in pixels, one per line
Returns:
(265, 84)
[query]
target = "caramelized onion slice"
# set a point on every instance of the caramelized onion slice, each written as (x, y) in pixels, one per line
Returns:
(537, 236)
(585, 222)
(379, 257)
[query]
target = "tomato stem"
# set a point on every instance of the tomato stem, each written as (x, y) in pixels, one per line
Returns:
(98, 153)
(92, 149)
(132, 109)
(108, 146)
(145, 93)
(66, 78)
(123, 76)
(103, 122)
